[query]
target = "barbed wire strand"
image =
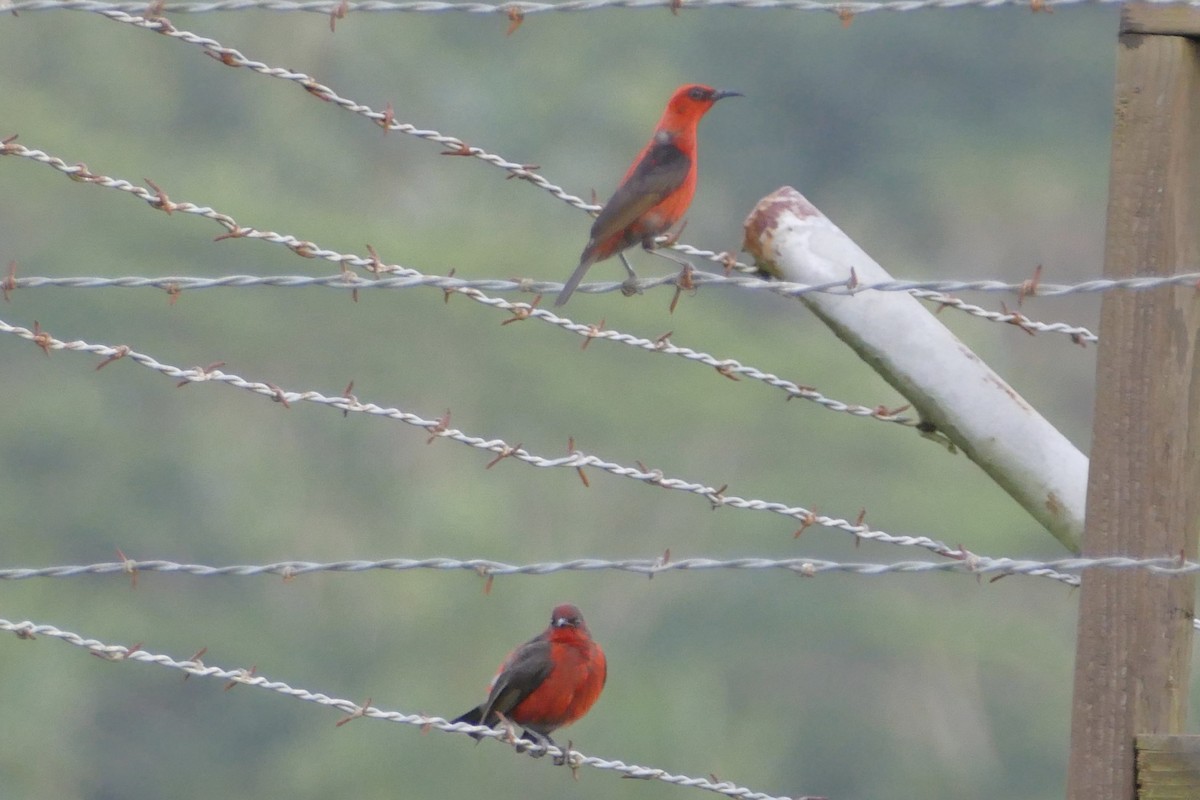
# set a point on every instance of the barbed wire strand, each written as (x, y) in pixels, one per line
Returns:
(233, 57)
(727, 367)
(193, 666)
(440, 428)
(525, 8)
(806, 567)
(1079, 335)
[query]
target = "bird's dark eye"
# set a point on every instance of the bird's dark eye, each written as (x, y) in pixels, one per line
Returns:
(699, 93)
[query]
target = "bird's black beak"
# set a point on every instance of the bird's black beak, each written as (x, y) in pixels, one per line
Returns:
(721, 94)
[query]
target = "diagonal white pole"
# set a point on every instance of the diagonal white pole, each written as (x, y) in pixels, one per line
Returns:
(956, 394)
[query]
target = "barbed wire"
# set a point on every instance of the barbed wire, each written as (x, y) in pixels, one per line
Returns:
(249, 677)
(525, 8)
(486, 568)
(232, 57)
(1079, 335)
(343, 282)
(440, 428)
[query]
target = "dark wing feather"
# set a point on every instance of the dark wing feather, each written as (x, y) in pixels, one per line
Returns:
(524, 672)
(660, 171)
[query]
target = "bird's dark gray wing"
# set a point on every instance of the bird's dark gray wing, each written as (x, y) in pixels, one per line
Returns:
(661, 171)
(524, 672)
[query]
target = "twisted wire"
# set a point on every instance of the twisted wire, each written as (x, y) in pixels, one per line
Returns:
(399, 277)
(807, 567)
(1080, 335)
(1077, 334)
(525, 8)
(231, 57)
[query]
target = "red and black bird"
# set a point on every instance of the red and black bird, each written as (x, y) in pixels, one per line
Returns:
(656, 191)
(548, 682)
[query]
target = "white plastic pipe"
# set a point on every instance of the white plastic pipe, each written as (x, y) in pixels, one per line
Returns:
(954, 392)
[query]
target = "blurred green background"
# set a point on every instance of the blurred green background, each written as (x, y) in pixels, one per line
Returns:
(950, 144)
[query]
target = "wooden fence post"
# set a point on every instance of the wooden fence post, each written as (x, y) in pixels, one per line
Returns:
(1133, 655)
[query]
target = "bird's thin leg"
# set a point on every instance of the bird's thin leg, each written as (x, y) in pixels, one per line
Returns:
(651, 246)
(558, 760)
(667, 254)
(629, 287)
(628, 266)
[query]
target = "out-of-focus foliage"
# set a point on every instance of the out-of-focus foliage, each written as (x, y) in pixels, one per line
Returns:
(950, 144)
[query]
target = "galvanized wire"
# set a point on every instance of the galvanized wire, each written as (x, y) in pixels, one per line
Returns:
(524, 8)
(807, 567)
(249, 677)
(233, 58)
(1079, 335)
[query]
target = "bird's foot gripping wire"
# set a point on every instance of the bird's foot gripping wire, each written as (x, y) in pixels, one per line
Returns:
(540, 739)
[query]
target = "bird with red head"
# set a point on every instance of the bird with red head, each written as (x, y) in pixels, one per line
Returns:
(547, 683)
(656, 190)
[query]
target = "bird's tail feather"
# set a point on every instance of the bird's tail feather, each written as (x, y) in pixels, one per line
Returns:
(472, 717)
(573, 282)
